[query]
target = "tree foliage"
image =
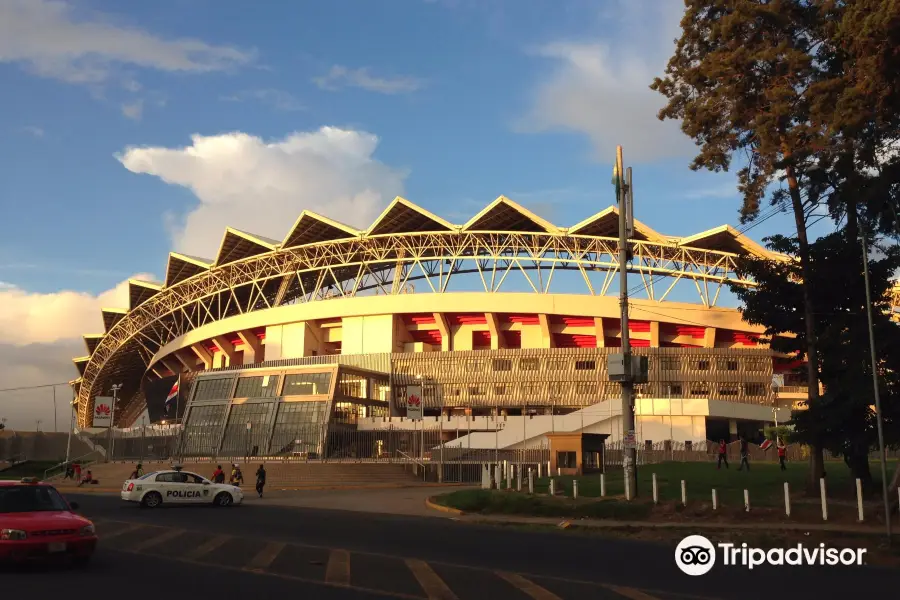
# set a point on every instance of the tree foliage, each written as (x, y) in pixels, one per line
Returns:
(842, 422)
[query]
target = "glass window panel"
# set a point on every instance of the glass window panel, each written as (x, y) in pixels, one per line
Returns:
(214, 388)
(203, 428)
(298, 428)
(306, 384)
(261, 386)
(354, 386)
(239, 441)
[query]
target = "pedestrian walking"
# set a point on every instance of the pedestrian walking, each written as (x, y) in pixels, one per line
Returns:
(782, 451)
(723, 455)
(260, 480)
(745, 454)
(237, 478)
(218, 475)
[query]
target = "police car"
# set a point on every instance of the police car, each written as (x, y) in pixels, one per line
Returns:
(179, 487)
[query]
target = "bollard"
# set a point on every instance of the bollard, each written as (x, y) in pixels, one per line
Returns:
(683, 493)
(552, 487)
(655, 491)
(824, 501)
(540, 473)
(575, 489)
(519, 479)
(548, 468)
(602, 485)
(509, 483)
(715, 500)
(787, 499)
(530, 482)
(627, 488)
(859, 499)
(747, 500)
(559, 471)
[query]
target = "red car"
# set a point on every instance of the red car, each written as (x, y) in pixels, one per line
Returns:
(36, 522)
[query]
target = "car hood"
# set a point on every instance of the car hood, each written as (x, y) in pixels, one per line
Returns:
(38, 521)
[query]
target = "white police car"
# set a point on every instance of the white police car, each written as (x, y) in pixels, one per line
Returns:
(179, 487)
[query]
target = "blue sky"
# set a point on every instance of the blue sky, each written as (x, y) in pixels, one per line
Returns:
(128, 129)
(463, 119)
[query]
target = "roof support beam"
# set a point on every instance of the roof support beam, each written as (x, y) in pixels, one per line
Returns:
(546, 336)
(497, 340)
(203, 354)
(228, 348)
(446, 339)
(252, 346)
(598, 332)
(188, 359)
(176, 366)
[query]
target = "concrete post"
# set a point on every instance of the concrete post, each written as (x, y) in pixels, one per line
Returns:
(683, 493)
(787, 499)
(824, 501)
(552, 487)
(575, 489)
(519, 478)
(655, 491)
(859, 499)
(715, 500)
(530, 481)
(602, 485)
(747, 500)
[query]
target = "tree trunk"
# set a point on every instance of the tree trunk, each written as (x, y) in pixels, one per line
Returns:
(857, 460)
(816, 460)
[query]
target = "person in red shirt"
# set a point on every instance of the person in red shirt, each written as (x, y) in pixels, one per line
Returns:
(723, 455)
(77, 472)
(782, 450)
(218, 475)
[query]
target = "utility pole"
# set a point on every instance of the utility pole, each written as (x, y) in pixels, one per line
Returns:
(112, 421)
(629, 458)
(878, 416)
(72, 404)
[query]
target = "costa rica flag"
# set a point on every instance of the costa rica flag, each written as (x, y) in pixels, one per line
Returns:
(172, 397)
(767, 443)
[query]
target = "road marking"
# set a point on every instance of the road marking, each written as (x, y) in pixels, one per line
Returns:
(527, 586)
(265, 557)
(434, 586)
(630, 593)
(338, 569)
(155, 541)
(206, 547)
(127, 529)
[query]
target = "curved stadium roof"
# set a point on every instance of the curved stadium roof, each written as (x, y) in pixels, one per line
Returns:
(252, 272)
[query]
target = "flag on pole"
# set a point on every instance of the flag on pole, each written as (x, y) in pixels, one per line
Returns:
(767, 443)
(617, 181)
(172, 398)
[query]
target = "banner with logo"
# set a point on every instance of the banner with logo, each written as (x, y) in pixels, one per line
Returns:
(102, 411)
(414, 402)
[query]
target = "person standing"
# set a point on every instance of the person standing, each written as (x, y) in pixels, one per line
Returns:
(723, 455)
(745, 454)
(237, 478)
(218, 475)
(782, 451)
(260, 480)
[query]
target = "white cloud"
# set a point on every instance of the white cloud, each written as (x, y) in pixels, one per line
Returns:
(133, 110)
(277, 99)
(39, 336)
(262, 186)
(340, 76)
(35, 131)
(600, 88)
(48, 38)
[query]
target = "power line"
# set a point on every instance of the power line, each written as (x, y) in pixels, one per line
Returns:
(34, 387)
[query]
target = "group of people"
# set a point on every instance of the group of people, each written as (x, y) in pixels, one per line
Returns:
(745, 454)
(237, 477)
(73, 472)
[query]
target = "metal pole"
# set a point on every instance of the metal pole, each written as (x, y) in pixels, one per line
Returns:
(71, 427)
(878, 417)
(55, 421)
(629, 454)
(112, 422)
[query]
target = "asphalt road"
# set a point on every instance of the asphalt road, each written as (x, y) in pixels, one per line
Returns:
(348, 555)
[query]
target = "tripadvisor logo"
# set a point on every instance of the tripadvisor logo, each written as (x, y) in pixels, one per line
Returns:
(696, 555)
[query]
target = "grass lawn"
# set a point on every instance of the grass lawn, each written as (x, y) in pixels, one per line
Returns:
(30, 468)
(499, 502)
(765, 482)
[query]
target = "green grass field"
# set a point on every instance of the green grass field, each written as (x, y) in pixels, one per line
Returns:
(764, 481)
(27, 469)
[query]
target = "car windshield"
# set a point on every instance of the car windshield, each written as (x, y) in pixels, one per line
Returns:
(30, 498)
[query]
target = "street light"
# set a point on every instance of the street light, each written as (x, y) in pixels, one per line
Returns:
(112, 421)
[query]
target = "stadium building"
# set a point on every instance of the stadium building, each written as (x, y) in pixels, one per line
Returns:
(505, 322)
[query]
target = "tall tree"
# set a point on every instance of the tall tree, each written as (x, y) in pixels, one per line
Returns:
(803, 92)
(842, 421)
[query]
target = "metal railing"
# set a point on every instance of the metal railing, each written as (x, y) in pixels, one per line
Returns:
(60, 469)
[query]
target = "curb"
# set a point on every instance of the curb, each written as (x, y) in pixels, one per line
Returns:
(430, 503)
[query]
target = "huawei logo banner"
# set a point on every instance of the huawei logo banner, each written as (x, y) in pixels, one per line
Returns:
(102, 412)
(414, 402)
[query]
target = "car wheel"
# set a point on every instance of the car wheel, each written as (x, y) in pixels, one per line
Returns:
(223, 499)
(151, 500)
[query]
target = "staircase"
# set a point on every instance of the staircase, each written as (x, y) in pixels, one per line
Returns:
(278, 474)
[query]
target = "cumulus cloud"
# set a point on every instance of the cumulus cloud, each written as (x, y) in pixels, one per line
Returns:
(39, 336)
(600, 88)
(262, 186)
(51, 40)
(340, 76)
